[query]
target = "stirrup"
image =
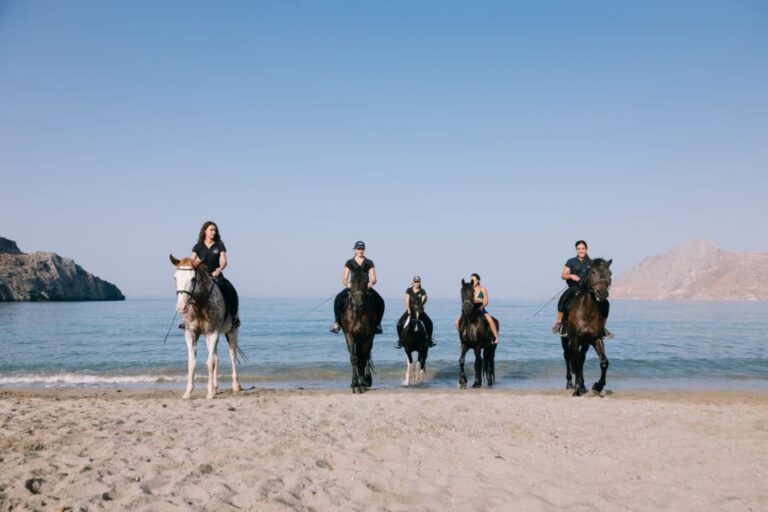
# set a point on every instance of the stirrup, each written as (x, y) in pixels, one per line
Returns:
(182, 326)
(431, 343)
(335, 327)
(379, 330)
(557, 328)
(608, 334)
(399, 344)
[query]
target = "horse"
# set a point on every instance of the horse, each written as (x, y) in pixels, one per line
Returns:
(585, 327)
(476, 334)
(202, 304)
(358, 322)
(413, 338)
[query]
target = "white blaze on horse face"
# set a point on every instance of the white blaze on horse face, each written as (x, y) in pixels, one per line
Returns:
(184, 285)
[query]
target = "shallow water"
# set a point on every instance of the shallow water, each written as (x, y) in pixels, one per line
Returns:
(659, 345)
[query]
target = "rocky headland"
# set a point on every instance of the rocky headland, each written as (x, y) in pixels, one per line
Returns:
(46, 276)
(696, 270)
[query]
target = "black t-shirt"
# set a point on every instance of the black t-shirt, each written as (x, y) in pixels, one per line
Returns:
(209, 255)
(367, 265)
(579, 268)
(417, 297)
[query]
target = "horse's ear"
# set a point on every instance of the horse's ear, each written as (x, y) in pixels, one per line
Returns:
(463, 283)
(610, 261)
(173, 260)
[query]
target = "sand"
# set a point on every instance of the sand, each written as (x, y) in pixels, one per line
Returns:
(401, 449)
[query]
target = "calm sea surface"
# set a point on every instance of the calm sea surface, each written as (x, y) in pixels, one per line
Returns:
(658, 345)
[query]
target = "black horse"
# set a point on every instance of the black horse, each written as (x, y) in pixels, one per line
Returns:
(476, 334)
(413, 337)
(359, 321)
(585, 326)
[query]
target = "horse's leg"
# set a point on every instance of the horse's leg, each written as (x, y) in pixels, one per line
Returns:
(355, 385)
(364, 367)
(212, 340)
(462, 375)
(579, 355)
(232, 341)
(600, 349)
(423, 364)
(478, 369)
(408, 367)
(489, 365)
(191, 340)
(567, 357)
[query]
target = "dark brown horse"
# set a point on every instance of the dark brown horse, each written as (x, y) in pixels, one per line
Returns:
(476, 334)
(586, 327)
(359, 321)
(413, 336)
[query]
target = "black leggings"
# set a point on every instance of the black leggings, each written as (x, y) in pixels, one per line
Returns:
(378, 304)
(230, 294)
(424, 318)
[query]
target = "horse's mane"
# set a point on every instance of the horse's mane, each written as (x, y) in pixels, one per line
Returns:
(599, 262)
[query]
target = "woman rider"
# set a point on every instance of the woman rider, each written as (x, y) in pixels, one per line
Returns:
(416, 295)
(211, 250)
(359, 263)
(576, 269)
(481, 302)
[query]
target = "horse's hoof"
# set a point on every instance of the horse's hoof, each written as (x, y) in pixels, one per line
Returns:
(187, 395)
(580, 391)
(569, 385)
(462, 385)
(597, 388)
(476, 385)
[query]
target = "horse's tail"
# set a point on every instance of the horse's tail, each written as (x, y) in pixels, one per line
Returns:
(240, 354)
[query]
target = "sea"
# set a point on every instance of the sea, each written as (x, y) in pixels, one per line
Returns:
(657, 346)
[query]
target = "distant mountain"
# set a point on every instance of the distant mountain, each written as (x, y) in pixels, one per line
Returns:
(44, 276)
(696, 270)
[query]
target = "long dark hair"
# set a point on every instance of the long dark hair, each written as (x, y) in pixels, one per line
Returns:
(206, 225)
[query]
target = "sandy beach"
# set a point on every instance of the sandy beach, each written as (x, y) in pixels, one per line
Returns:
(409, 449)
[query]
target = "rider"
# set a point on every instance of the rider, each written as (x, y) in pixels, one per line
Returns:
(576, 269)
(413, 295)
(480, 303)
(210, 250)
(359, 263)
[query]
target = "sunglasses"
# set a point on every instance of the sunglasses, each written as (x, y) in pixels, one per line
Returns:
(359, 249)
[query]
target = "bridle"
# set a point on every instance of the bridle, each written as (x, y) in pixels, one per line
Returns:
(191, 292)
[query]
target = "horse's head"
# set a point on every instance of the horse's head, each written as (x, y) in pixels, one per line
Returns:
(188, 275)
(467, 297)
(599, 279)
(358, 290)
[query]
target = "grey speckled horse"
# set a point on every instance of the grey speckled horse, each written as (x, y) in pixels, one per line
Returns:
(202, 304)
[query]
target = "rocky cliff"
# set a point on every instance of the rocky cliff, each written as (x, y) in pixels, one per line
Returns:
(696, 270)
(47, 276)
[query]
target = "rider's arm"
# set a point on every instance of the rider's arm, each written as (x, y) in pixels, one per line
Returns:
(424, 298)
(371, 277)
(345, 278)
(485, 298)
(222, 264)
(408, 303)
(566, 275)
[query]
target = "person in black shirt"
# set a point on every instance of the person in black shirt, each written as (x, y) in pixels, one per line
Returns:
(416, 294)
(575, 271)
(213, 253)
(359, 263)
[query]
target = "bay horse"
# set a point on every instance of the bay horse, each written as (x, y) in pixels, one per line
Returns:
(585, 327)
(202, 304)
(413, 338)
(359, 321)
(476, 334)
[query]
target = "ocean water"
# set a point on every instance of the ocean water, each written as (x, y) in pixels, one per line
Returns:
(658, 345)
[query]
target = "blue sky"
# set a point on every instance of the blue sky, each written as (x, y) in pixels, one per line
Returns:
(453, 137)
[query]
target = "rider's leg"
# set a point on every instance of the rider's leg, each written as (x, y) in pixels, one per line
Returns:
(429, 326)
(379, 305)
(338, 305)
(494, 330)
(561, 309)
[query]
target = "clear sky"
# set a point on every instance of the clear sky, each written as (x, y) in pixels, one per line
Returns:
(453, 137)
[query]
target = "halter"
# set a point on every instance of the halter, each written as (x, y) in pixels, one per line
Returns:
(191, 293)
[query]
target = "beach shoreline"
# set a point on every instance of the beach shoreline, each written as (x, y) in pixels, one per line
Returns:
(389, 449)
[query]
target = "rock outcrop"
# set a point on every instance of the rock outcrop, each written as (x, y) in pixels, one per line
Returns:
(696, 270)
(45, 276)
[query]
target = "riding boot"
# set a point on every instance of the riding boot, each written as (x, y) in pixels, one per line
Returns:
(607, 334)
(379, 330)
(335, 327)
(431, 343)
(182, 326)
(399, 343)
(557, 328)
